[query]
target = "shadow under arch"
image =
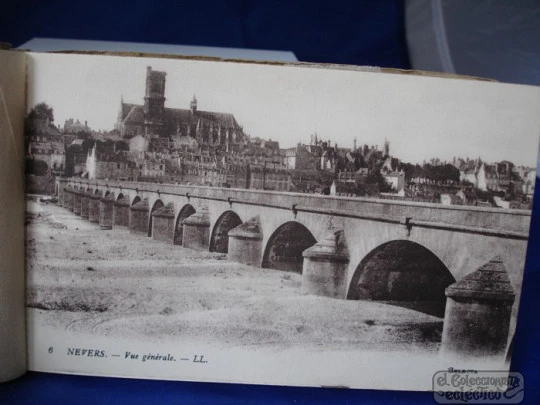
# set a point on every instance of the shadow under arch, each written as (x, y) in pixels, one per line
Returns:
(157, 205)
(405, 274)
(219, 241)
(186, 211)
(121, 212)
(136, 199)
(285, 246)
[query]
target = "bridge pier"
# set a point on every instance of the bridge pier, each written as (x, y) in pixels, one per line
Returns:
(197, 230)
(65, 198)
(106, 212)
(245, 243)
(478, 312)
(138, 217)
(325, 267)
(85, 201)
(61, 183)
(163, 224)
(77, 202)
(121, 214)
(93, 208)
(71, 199)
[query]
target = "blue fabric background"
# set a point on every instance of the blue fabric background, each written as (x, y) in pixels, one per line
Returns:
(346, 31)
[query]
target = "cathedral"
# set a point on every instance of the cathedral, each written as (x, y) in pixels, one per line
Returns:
(152, 119)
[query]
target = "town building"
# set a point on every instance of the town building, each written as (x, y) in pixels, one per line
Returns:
(44, 144)
(529, 183)
(299, 158)
(396, 180)
(472, 171)
(107, 165)
(74, 129)
(451, 199)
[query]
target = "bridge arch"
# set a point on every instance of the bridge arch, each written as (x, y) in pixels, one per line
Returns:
(285, 246)
(402, 273)
(157, 205)
(136, 199)
(186, 211)
(219, 241)
(120, 197)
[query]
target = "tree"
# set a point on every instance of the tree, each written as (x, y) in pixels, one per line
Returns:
(411, 170)
(122, 145)
(36, 167)
(445, 172)
(376, 178)
(42, 111)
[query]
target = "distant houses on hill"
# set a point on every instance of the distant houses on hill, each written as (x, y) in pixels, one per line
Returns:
(153, 142)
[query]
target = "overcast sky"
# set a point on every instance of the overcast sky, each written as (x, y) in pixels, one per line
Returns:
(421, 117)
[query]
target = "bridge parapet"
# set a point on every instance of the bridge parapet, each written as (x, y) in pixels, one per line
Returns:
(484, 220)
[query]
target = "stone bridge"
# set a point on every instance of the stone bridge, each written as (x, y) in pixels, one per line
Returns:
(404, 253)
(364, 248)
(398, 252)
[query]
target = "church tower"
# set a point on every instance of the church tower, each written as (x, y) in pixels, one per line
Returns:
(154, 101)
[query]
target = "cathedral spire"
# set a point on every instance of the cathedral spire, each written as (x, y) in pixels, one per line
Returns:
(194, 104)
(120, 119)
(386, 147)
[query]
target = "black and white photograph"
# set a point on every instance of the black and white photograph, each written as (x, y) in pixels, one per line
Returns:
(273, 224)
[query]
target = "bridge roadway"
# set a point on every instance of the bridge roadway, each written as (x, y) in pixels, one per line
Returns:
(391, 250)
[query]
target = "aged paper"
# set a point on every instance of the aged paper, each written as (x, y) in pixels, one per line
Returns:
(177, 246)
(12, 293)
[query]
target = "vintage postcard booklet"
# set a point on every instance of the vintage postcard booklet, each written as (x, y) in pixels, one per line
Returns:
(264, 223)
